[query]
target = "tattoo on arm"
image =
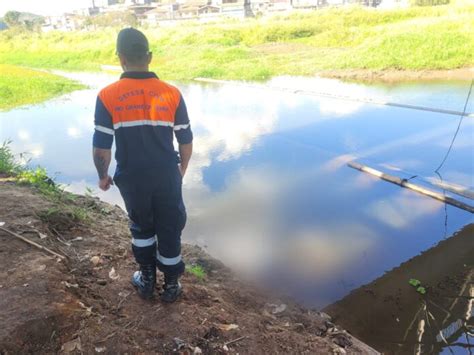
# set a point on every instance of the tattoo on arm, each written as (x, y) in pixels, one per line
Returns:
(102, 161)
(100, 166)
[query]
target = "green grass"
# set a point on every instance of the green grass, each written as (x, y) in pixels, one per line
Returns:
(21, 86)
(8, 163)
(65, 207)
(196, 270)
(301, 43)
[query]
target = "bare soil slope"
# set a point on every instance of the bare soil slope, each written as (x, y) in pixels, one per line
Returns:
(86, 303)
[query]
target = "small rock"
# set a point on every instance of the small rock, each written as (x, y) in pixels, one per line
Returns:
(225, 348)
(227, 327)
(87, 309)
(339, 351)
(69, 285)
(113, 274)
(180, 344)
(100, 349)
(325, 316)
(25, 285)
(342, 340)
(101, 282)
(72, 345)
(299, 327)
(96, 260)
(212, 333)
(197, 350)
(279, 308)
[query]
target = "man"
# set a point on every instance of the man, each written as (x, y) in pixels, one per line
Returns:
(143, 112)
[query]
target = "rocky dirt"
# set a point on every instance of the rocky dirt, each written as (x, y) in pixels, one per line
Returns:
(85, 304)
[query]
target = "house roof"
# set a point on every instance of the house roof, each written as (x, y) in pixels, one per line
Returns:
(159, 9)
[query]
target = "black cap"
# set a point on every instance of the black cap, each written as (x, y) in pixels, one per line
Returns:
(131, 41)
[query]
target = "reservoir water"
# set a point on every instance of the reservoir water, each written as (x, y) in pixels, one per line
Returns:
(268, 190)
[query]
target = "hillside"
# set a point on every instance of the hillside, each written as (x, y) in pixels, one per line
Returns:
(324, 42)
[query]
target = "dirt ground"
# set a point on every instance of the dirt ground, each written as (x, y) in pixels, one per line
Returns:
(86, 304)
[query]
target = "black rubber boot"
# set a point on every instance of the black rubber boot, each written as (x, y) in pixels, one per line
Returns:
(144, 280)
(171, 289)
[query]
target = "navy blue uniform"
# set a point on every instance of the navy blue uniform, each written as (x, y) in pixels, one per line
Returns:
(143, 113)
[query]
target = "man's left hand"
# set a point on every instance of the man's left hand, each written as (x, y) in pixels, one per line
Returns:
(182, 170)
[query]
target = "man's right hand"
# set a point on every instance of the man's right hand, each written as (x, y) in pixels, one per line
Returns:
(105, 183)
(182, 170)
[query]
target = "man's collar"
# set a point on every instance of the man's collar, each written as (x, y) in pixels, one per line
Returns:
(138, 75)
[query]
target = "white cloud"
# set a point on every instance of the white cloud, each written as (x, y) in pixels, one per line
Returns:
(24, 135)
(404, 209)
(44, 7)
(74, 132)
(320, 253)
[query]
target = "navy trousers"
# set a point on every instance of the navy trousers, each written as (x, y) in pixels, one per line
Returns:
(157, 215)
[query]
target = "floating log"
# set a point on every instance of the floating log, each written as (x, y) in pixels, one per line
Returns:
(404, 183)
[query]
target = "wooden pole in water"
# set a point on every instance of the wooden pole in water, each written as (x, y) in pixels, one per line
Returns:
(404, 183)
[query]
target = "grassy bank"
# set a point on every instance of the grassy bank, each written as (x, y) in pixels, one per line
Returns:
(63, 203)
(20, 86)
(303, 43)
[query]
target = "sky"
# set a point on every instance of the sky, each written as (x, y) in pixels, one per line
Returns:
(43, 7)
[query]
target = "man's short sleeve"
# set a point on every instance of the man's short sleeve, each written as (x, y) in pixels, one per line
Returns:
(104, 128)
(182, 127)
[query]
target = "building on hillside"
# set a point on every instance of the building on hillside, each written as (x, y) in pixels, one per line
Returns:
(232, 8)
(392, 4)
(161, 12)
(309, 4)
(259, 7)
(280, 5)
(65, 22)
(140, 10)
(138, 2)
(89, 11)
(208, 10)
(103, 3)
(181, 11)
(190, 9)
(3, 26)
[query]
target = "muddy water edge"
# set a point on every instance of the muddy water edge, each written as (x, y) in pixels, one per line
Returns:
(393, 317)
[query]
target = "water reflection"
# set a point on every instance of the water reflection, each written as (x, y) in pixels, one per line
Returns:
(268, 190)
(394, 318)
